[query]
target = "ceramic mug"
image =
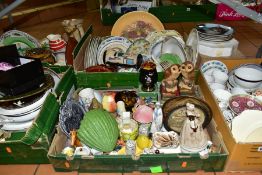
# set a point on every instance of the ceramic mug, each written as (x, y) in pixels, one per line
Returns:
(86, 96)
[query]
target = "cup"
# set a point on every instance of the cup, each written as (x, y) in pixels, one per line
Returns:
(219, 76)
(215, 86)
(86, 96)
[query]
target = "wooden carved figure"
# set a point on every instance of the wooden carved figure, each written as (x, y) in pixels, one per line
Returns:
(186, 83)
(169, 85)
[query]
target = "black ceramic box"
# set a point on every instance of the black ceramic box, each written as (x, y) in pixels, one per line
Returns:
(26, 75)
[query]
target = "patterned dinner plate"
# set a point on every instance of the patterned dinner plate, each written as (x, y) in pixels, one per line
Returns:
(120, 44)
(22, 40)
(209, 66)
(136, 24)
(240, 103)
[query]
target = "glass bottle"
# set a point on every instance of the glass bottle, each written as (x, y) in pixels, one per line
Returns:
(143, 140)
(128, 127)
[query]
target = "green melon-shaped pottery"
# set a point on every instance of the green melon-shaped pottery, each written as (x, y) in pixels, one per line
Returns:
(99, 130)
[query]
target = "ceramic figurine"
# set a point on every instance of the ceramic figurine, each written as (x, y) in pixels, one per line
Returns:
(58, 46)
(193, 137)
(169, 85)
(186, 83)
(157, 119)
(74, 28)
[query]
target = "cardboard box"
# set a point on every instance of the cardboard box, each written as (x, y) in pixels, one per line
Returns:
(176, 162)
(242, 156)
(170, 13)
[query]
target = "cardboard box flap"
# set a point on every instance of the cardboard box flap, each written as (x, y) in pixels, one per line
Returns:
(44, 123)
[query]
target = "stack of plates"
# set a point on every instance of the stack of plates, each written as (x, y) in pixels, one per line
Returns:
(247, 127)
(18, 112)
(91, 52)
(230, 84)
(214, 32)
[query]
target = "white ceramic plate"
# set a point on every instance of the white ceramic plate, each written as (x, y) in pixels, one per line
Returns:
(246, 125)
(21, 39)
(22, 118)
(209, 66)
(19, 111)
(119, 43)
(17, 126)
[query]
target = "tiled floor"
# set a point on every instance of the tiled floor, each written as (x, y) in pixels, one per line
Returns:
(248, 33)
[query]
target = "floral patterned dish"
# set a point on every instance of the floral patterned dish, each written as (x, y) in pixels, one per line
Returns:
(136, 24)
(240, 103)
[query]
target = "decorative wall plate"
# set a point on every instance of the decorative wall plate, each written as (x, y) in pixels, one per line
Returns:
(136, 24)
(240, 103)
(21, 39)
(120, 44)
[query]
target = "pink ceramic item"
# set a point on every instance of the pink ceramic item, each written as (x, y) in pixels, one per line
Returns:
(240, 103)
(143, 114)
(5, 66)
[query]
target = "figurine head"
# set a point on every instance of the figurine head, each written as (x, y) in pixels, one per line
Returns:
(173, 71)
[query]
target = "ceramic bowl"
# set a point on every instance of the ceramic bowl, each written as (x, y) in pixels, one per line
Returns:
(222, 95)
(248, 77)
(215, 86)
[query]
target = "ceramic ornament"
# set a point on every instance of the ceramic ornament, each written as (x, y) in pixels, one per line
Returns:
(58, 46)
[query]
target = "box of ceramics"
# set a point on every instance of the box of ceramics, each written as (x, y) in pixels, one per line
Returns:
(165, 10)
(234, 87)
(26, 129)
(29, 71)
(146, 121)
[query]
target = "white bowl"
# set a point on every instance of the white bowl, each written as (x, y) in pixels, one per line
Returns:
(215, 86)
(219, 76)
(248, 77)
(222, 95)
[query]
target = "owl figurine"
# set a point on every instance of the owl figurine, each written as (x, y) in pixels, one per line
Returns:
(169, 85)
(186, 83)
